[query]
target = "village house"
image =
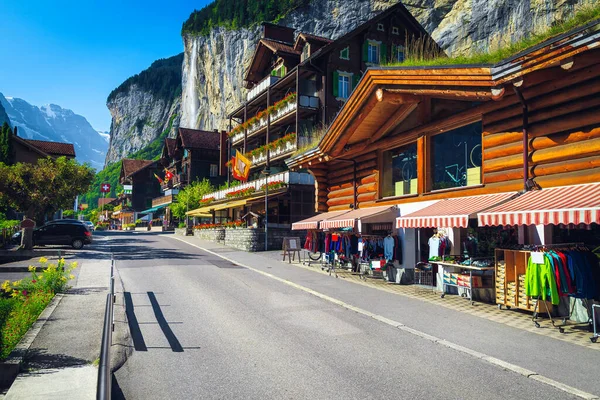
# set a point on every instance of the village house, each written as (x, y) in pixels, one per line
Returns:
(297, 83)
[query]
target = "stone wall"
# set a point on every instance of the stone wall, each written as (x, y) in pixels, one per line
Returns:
(180, 231)
(214, 235)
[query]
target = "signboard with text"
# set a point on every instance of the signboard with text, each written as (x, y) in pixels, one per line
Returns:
(128, 189)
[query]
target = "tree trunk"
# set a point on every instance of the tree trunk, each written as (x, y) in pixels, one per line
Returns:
(27, 233)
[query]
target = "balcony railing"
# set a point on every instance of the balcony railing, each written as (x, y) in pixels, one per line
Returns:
(175, 181)
(290, 178)
(261, 158)
(261, 86)
(262, 123)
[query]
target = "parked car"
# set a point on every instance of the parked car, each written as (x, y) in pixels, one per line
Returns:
(73, 232)
(90, 225)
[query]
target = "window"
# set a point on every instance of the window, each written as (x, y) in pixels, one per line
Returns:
(380, 27)
(214, 170)
(456, 157)
(345, 53)
(399, 53)
(395, 30)
(305, 52)
(344, 86)
(399, 175)
(279, 71)
(373, 53)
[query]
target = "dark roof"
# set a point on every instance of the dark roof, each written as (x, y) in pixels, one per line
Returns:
(53, 148)
(130, 167)
(311, 38)
(279, 47)
(170, 144)
(196, 139)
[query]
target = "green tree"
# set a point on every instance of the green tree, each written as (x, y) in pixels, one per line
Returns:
(6, 144)
(43, 188)
(189, 198)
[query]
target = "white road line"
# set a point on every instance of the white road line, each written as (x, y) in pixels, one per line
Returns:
(481, 356)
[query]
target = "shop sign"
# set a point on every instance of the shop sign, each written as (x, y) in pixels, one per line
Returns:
(128, 189)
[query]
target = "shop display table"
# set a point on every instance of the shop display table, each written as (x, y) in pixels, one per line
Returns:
(462, 280)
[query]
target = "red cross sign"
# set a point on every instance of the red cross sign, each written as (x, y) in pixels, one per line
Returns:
(105, 188)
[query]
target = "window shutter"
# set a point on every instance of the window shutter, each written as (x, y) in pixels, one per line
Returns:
(355, 79)
(383, 53)
(366, 51)
(335, 82)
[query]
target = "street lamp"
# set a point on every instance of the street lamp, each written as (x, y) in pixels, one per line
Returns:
(266, 172)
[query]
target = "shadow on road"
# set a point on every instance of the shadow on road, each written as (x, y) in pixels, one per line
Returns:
(41, 359)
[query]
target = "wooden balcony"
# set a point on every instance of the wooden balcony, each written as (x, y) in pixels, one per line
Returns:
(159, 201)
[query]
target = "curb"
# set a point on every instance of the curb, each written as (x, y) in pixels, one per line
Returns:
(9, 368)
(483, 357)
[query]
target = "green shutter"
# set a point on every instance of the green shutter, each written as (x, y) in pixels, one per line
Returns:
(355, 79)
(366, 51)
(382, 53)
(335, 83)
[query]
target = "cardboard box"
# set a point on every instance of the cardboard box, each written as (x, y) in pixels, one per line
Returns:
(463, 280)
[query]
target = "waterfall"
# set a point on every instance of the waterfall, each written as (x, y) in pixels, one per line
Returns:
(190, 98)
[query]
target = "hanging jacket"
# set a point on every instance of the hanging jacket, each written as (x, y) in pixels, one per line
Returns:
(540, 281)
(388, 248)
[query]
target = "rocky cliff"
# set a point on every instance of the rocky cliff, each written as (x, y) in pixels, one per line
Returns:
(214, 64)
(138, 118)
(3, 115)
(145, 108)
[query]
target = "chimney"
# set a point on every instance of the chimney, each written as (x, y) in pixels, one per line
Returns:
(223, 156)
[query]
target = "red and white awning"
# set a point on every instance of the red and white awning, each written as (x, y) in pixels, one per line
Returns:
(452, 213)
(313, 222)
(576, 204)
(348, 219)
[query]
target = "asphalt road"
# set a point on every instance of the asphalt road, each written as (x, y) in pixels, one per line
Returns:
(204, 328)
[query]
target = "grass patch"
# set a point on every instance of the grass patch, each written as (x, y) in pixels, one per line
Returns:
(21, 302)
(417, 54)
(313, 140)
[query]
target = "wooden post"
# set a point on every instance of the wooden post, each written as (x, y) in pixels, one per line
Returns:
(246, 128)
(297, 105)
(268, 127)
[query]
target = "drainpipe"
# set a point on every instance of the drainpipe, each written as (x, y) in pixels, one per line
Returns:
(525, 138)
(353, 179)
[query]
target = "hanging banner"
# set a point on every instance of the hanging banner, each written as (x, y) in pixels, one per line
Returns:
(241, 167)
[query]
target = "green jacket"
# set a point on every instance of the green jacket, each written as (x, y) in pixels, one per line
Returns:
(540, 281)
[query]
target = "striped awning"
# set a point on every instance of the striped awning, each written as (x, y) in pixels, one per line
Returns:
(576, 204)
(348, 219)
(452, 213)
(313, 222)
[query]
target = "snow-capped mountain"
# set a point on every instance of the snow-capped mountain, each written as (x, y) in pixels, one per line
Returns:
(105, 135)
(54, 123)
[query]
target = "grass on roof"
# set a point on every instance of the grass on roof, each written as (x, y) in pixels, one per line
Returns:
(420, 57)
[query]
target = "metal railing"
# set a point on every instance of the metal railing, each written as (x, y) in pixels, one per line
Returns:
(103, 391)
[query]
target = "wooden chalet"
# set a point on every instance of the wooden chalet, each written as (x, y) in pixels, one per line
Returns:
(298, 83)
(516, 144)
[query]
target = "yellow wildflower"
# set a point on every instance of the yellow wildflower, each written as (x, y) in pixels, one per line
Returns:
(15, 294)
(6, 286)
(63, 278)
(71, 276)
(43, 260)
(74, 264)
(32, 268)
(16, 283)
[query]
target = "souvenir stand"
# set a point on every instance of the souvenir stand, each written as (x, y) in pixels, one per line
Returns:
(358, 240)
(562, 279)
(451, 245)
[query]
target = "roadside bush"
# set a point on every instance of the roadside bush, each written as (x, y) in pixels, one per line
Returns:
(182, 225)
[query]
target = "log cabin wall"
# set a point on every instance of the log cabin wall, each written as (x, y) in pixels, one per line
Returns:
(563, 138)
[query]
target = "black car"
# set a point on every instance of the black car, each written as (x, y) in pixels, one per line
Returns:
(65, 232)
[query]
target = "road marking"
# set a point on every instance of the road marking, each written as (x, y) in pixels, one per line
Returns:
(481, 356)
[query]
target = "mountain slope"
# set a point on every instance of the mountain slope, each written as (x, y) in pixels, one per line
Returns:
(54, 123)
(3, 116)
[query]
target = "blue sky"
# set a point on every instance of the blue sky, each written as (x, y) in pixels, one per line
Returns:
(73, 53)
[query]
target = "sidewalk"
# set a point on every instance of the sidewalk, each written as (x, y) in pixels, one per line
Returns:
(61, 362)
(505, 334)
